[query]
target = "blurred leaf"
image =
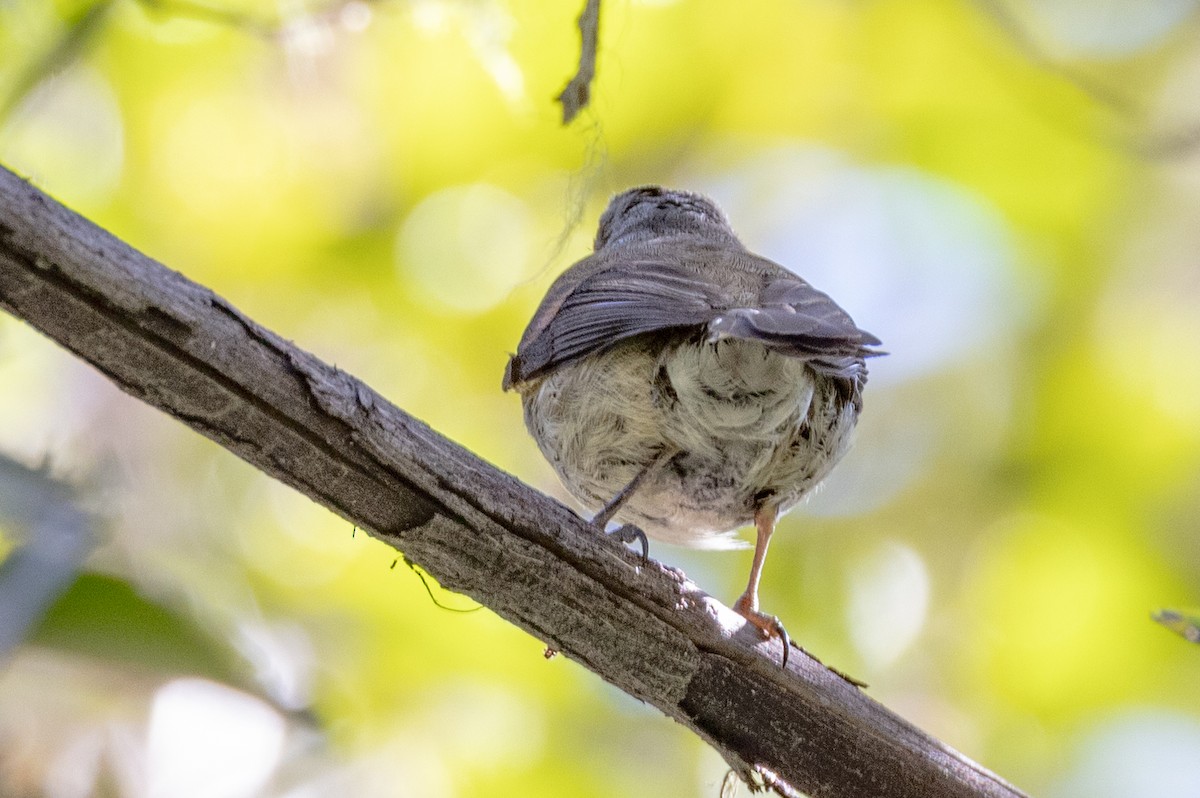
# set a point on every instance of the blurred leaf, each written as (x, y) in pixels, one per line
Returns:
(104, 617)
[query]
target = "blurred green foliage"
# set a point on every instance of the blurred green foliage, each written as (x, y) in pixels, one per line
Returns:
(1005, 192)
(101, 616)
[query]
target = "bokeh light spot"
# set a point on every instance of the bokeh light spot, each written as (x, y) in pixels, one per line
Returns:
(889, 601)
(69, 136)
(1107, 28)
(210, 741)
(466, 246)
(1144, 752)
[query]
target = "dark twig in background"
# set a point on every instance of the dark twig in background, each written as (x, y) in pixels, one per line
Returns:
(578, 91)
(1185, 623)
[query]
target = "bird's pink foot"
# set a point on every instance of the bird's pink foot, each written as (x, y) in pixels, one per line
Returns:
(768, 625)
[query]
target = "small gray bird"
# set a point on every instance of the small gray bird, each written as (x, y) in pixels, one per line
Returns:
(685, 386)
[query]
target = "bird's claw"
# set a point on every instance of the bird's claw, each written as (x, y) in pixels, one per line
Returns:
(768, 625)
(628, 533)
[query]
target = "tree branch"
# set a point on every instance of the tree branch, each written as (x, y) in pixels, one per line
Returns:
(644, 628)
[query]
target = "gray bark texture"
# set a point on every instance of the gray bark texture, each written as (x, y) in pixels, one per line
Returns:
(642, 627)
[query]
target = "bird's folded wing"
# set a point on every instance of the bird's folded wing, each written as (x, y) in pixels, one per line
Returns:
(642, 296)
(610, 305)
(797, 319)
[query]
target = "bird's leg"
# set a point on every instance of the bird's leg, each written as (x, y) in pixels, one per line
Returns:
(747, 603)
(628, 533)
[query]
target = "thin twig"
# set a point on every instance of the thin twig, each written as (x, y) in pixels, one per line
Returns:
(578, 91)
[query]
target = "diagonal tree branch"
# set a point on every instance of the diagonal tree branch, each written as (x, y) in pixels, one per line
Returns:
(646, 629)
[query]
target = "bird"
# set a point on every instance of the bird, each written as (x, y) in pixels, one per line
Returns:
(685, 387)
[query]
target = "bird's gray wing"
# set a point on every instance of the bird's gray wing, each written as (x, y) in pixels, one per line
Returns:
(796, 319)
(605, 302)
(609, 305)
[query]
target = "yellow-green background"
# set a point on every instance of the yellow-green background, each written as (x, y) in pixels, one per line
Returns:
(1006, 192)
